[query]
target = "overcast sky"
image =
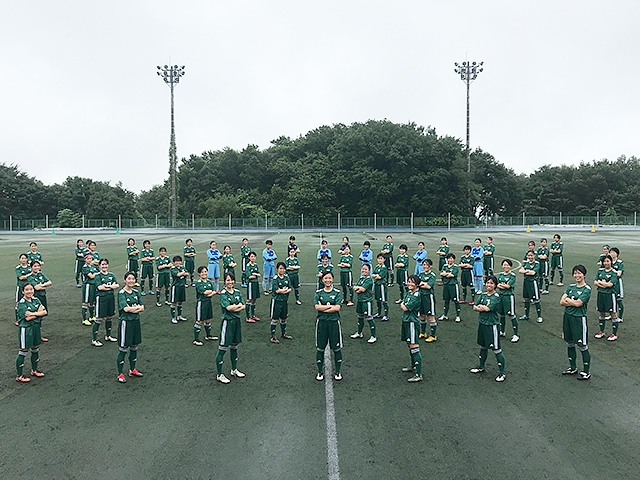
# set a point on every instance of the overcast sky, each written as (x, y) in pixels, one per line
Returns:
(81, 96)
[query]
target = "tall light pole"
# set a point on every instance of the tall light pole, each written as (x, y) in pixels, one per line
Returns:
(171, 76)
(468, 72)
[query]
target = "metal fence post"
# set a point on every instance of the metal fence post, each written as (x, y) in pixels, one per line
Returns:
(411, 222)
(375, 222)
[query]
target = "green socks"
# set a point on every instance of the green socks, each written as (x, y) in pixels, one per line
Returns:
(423, 327)
(538, 309)
(601, 323)
(320, 360)
(219, 360)
(94, 329)
(416, 360)
(360, 324)
(614, 324)
(179, 310)
(482, 357)
(85, 311)
(586, 358)
(133, 356)
(207, 329)
(120, 359)
(337, 356)
(503, 323)
(527, 307)
(20, 362)
(501, 361)
(107, 326)
(572, 357)
(196, 331)
(173, 311)
(274, 325)
(372, 327)
(283, 327)
(514, 323)
(433, 326)
(233, 354)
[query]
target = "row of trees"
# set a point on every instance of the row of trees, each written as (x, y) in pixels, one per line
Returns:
(355, 170)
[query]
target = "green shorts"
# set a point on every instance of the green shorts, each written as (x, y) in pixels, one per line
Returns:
(230, 333)
(129, 333)
(279, 309)
(574, 329)
(450, 292)
(163, 280)
(253, 290)
(544, 268)
(489, 336)
(328, 332)
(204, 311)
(178, 294)
(189, 264)
(427, 304)
(441, 262)
(147, 270)
(364, 309)
(409, 332)
(607, 302)
(507, 305)
(346, 279)
(556, 262)
(105, 306)
(88, 293)
(295, 280)
(388, 262)
(530, 290)
(132, 265)
(487, 263)
(466, 277)
(380, 292)
(29, 336)
(403, 276)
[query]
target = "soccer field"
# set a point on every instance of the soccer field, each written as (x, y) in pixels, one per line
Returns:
(178, 422)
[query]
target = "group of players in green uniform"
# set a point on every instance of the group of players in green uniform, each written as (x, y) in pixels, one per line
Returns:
(417, 297)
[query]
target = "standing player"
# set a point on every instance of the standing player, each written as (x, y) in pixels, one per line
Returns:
(345, 243)
(244, 254)
(328, 302)
(346, 275)
(133, 254)
(129, 334)
(605, 252)
(204, 311)
(232, 305)
(146, 257)
(387, 251)
(489, 255)
(450, 290)
(95, 256)
(293, 269)
(618, 266)
(213, 270)
(40, 283)
(189, 253)
(29, 312)
(33, 254)
(530, 293)
(466, 274)
(488, 332)
(163, 277)
(364, 307)
(442, 252)
(477, 252)
(324, 250)
(81, 251)
(420, 256)
(427, 302)
(106, 283)
(380, 288)
(507, 306)
(574, 322)
(607, 283)
(269, 258)
(366, 256)
(402, 270)
(178, 293)
(556, 258)
(228, 262)
(543, 257)
(292, 246)
(324, 267)
(22, 274)
(280, 303)
(410, 306)
(89, 271)
(253, 288)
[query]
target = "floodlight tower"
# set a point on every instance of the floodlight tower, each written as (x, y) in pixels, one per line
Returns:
(468, 72)
(171, 76)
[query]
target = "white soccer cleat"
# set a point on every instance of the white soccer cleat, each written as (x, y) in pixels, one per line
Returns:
(415, 378)
(372, 340)
(356, 335)
(515, 339)
(501, 378)
(457, 319)
(174, 320)
(408, 369)
(109, 338)
(237, 373)
(319, 376)
(96, 343)
(442, 317)
(222, 379)
(539, 320)
(560, 284)
(476, 370)
(337, 377)
(181, 318)
(612, 338)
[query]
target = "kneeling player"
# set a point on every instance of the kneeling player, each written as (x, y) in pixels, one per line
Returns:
(574, 323)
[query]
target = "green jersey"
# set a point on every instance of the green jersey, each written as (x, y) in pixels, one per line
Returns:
(177, 281)
(163, 265)
(542, 251)
(332, 297)
(322, 269)
(189, 250)
(444, 249)
(578, 293)
(126, 299)
(509, 279)
(20, 272)
(244, 251)
(556, 246)
(382, 271)
(346, 259)
(292, 262)
(367, 283)
(147, 257)
(130, 253)
(105, 279)
(412, 302)
(489, 248)
(607, 276)
(466, 260)
(233, 298)
(388, 246)
(491, 301)
(31, 256)
(80, 253)
(278, 283)
(96, 256)
(430, 279)
(201, 287)
(618, 266)
(250, 270)
(535, 266)
(86, 270)
(453, 269)
(38, 279)
(226, 260)
(404, 260)
(24, 307)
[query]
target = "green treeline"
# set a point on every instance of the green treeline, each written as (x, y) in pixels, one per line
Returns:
(355, 170)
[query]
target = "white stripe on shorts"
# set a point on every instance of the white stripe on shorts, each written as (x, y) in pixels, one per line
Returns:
(123, 329)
